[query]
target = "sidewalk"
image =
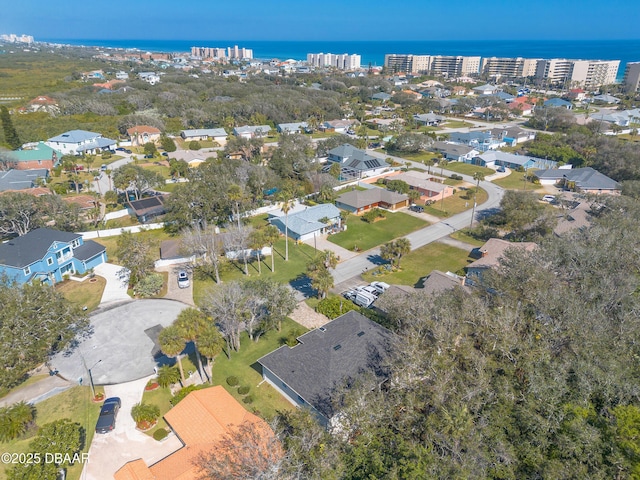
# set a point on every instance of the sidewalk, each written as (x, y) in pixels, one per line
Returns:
(37, 391)
(322, 243)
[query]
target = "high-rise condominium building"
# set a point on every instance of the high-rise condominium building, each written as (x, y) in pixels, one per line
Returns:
(509, 67)
(632, 77)
(340, 61)
(454, 66)
(574, 73)
(394, 63)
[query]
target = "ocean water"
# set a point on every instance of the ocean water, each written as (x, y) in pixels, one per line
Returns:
(373, 52)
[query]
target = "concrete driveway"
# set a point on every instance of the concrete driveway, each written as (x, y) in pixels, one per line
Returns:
(121, 344)
(174, 292)
(117, 283)
(110, 451)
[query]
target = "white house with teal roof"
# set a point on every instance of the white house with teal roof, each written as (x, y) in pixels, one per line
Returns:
(48, 255)
(78, 142)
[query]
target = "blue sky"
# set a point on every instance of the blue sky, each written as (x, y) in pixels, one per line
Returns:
(326, 20)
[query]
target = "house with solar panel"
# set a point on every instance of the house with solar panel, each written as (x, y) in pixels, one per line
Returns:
(47, 255)
(80, 142)
(355, 163)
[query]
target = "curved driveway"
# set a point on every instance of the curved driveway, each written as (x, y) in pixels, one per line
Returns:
(118, 349)
(371, 258)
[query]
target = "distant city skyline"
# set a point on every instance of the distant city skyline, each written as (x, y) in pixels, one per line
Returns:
(330, 20)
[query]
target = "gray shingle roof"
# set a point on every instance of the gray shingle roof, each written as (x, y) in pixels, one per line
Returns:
(74, 136)
(88, 250)
(21, 179)
(359, 199)
(307, 221)
(23, 251)
(354, 158)
(201, 132)
(327, 357)
(585, 178)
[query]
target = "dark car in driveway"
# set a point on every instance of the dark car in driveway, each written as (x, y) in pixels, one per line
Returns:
(108, 413)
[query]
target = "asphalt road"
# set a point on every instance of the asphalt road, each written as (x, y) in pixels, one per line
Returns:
(371, 258)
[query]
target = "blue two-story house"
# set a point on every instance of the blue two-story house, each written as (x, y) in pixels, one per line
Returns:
(47, 255)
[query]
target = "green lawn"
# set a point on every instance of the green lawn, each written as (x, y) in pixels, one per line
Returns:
(467, 168)
(267, 401)
(456, 124)
(417, 157)
(83, 294)
(464, 237)
(285, 271)
(159, 397)
(419, 263)
(458, 202)
(156, 236)
(75, 404)
(365, 235)
(514, 181)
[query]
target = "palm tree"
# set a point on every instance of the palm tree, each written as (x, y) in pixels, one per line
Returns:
(211, 343)
(322, 282)
(478, 177)
(145, 413)
(167, 375)
(236, 196)
(428, 163)
(191, 322)
(403, 246)
(271, 235)
(287, 198)
(172, 344)
(442, 163)
(256, 242)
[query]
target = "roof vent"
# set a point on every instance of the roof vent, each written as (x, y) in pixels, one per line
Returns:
(337, 347)
(360, 334)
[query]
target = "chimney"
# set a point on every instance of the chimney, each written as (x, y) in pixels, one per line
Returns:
(484, 253)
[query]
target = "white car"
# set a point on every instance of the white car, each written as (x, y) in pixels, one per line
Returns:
(183, 279)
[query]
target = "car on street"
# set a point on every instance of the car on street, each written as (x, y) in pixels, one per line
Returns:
(121, 149)
(108, 413)
(183, 279)
(416, 208)
(164, 154)
(148, 156)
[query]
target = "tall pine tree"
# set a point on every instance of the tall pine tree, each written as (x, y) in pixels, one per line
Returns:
(11, 137)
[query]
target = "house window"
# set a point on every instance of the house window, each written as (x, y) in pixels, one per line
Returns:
(27, 271)
(76, 243)
(50, 261)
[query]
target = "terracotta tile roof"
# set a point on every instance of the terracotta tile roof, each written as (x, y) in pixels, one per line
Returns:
(201, 421)
(135, 470)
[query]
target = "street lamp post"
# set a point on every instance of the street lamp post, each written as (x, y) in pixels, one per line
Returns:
(93, 388)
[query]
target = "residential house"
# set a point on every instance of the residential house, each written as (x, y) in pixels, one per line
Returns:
(78, 142)
(151, 78)
(491, 254)
(424, 183)
(252, 131)
(585, 180)
(338, 126)
(47, 255)
(558, 103)
(361, 201)
(218, 135)
(122, 75)
(521, 108)
(486, 89)
(497, 158)
(22, 179)
(605, 98)
(355, 163)
(385, 124)
(146, 209)
(481, 140)
(325, 360)
(576, 217)
(429, 119)
(201, 421)
(383, 97)
(34, 156)
(577, 95)
(42, 103)
(459, 90)
(454, 152)
(620, 119)
(513, 135)
(306, 224)
(141, 134)
(286, 128)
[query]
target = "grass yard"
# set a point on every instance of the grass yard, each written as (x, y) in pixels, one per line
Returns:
(419, 263)
(155, 236)
(515, 181)
(75, 404)
(365, 235)
(467, 168)
(456, 124)
(417, 157)
(83, 294)
(458, 202)
(159, 397)
(299, 256)
(464, 237)
(267, 401)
